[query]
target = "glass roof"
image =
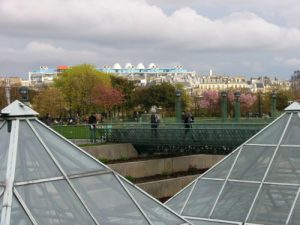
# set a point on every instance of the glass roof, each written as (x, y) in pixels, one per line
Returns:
(47, 180)
(258, 183)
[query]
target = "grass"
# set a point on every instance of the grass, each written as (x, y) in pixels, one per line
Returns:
(130, 178)
(73, 132)
(103, 160)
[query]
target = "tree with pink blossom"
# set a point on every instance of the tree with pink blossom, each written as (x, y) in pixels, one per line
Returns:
(211, 102)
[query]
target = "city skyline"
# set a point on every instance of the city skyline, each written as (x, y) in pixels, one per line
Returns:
(233, 37)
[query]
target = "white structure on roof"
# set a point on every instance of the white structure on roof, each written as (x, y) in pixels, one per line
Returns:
(152, 66)
(47, 180)
(140, 66)
(117, 66)
(129, 66)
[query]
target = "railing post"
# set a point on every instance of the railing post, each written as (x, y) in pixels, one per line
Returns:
(178, 108)
(237, 108)
(224, 105)
(273, 106)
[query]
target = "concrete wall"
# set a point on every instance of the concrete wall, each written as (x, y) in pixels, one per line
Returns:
(154, 167)
(112, 151)
(167, 187)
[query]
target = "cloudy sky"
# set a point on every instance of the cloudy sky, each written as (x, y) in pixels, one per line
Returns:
(233, 37)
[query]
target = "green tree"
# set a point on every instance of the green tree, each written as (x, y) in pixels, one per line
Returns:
(50, 100)
(77, 84)
(283, 97)
(160, 95)
(127, 87)
(107, 97)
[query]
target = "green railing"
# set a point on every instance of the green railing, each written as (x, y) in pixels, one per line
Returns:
(218, 138)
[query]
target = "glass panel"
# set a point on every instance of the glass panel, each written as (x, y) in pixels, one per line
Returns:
(285, 167)
(202, 198)
(221, 170)
(108, 200)
(1, 203)
(1, 192)
(157, 213)
(4, 140)
(252, 163)
(273, 132)
(71, 159)
(291, 136)
(273, 205)
(235, 201)
(295, 218)
(18, 215)
(203, 222)
(178, 201)
(33, 162)
(54, 203)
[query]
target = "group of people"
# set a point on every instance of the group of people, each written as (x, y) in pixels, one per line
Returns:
(186, 117)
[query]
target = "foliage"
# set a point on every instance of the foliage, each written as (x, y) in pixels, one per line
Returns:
(103, 160)
(126, 87)
(49, 100)
(247, 101)
(160, 95)
(130, 178)
(107, 97)
(264, 100)
(77, 85)
(283, 98)
(210, 102)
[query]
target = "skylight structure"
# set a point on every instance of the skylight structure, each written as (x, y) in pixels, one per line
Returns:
(257, 184)
(47, 180)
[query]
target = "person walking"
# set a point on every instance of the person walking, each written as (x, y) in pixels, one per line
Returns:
(92, 127)
(188, 120)
(154, 123)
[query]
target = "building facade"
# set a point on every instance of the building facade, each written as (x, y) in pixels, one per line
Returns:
(44, 75)
(150, 74)
(295, 83)
(218, 83)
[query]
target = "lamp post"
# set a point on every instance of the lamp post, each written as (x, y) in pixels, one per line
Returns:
(224, 105)
(24, 94)
(237, 107)
(178, 107)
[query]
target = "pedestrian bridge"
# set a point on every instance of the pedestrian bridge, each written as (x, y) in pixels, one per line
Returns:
(212, 138)
(174, 138)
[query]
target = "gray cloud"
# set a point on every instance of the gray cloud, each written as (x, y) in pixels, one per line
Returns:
(103, 32)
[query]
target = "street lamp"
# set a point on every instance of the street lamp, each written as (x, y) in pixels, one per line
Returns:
(24, 94)
(237, 107)
(178, 105)
(224, 105)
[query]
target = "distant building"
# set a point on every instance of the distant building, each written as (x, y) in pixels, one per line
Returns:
(218, 83)
(151, 74)
(11, 81)
(266, 84)
(44, 75)
(295, 83)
